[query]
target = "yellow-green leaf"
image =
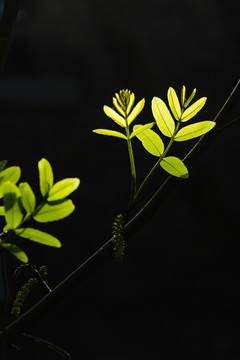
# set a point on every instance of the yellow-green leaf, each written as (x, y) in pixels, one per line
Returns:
(38, 236)
(27, 197)
(131, 102)
(151, 141)
(12, 174)
(136, 111)
(2, 211)
(194, 130)
(141, 128)
(110, 133)
(15, 251)
(174, 166)
(45, 176)
(174, 103)
(114, 116)
(63, 188)
(193, 109)
(12, 205)
(183, 95)
(188, 101)
(118, 106)
(163, 117)
(54, 212)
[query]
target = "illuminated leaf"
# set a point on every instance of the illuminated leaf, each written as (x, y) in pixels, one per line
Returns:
(38, 236)
(131, 102)
(114, 116)
(174, 103)
(151, 141)
(194, 130)
(193, 109)
(12, 174)
(174, 166)
(163, 117)
(2, 211)
(136, 111)
(63, 188)
(188, 101)
(141, 128)
(12, 204)
(27, 197)
(3, 164)
(110, 133)
(53, 212)
(118, 106)
(15, 251)
(183, 95)
(45, 176)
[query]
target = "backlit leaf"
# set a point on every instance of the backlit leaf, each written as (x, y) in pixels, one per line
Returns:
(163, 117)
(12, 174)
(188, 101)
(15, 251)
(136, 111)
(193, 109)
(53, 212)
(63, 188)
(141, 128)
(194, 130)
(174, 166)
(38, 236)
(3, 164)
(45, 176)
(12, 204)
(118, 106)
(114, 116)
(131, 102)
(110, 133)
(183, 95)
(174, 103)
(151, 141)
(27, 197)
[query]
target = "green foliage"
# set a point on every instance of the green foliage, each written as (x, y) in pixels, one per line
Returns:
(118, 238)
(19, 206)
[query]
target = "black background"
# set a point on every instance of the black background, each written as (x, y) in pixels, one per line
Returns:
(177, 292)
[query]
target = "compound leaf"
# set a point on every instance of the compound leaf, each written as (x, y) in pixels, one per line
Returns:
(38, 236)
(163, 117)
(45, 176)
(63, 188)
(193, 109)
(54, 212)
(194, 130)
(27, 197)
(114, 116)
(12, 204)
(151, 141)
(174, 103)
(136, 111)
(110, 133)
(12, 174)
(174, 166)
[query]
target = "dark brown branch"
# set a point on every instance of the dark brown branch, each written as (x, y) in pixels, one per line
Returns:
(105, 252)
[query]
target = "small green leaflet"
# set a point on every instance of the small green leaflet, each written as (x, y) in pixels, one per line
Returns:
(45, 176)
(12, 174)
(193, 109)
(63, 188)
(15, 251)
(28, 197)
(194, 130)
(136, 111)
(114, 116)
(150, 140)
(110, 133)
(141, 128)
(174, 103)
(183, 95)
(2, 211)
(188, 101)
(131, 102)
(11, 201)
(38, 236)
(174, 166)
(118, 106)
(53, 212)
(3, 164)
(163, 117)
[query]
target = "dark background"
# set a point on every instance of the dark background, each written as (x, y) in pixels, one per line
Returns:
(177, 292)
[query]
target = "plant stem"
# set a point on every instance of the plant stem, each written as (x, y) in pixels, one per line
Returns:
(132, 166)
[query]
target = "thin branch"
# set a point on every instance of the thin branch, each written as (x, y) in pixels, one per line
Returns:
(50, 301)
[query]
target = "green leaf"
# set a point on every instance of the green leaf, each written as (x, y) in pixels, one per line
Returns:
(193, 109)
(3, 164)
(151, 141)
(63, 188)
(15, 251)
(45, 176)
(54, 212)
(12, 204)
(110, 133)
(141, 128)
(194, 130)
(174, 103)
(174, 166)
(38, 236)
(28, 197)
(114, 116)
(118, 106)
(131, 102)
(163, 117)
(190, 98)
(136, 111)
(2, 211)
(183, 95)
(12, 174)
